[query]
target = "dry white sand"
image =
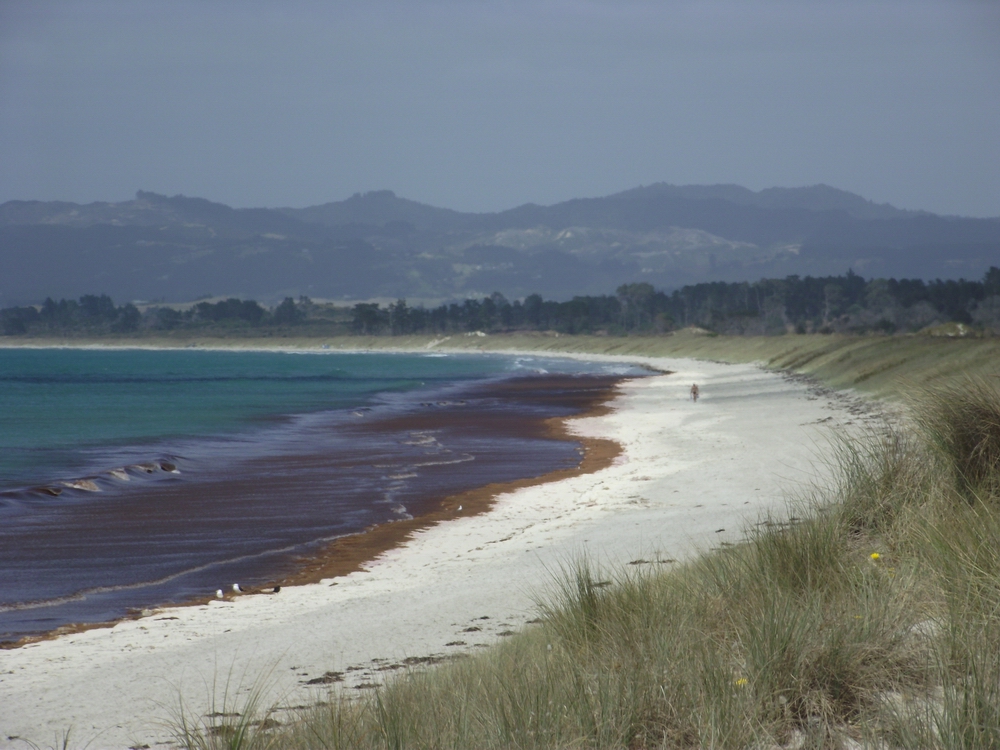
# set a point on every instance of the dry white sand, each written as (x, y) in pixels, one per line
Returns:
(690, 476)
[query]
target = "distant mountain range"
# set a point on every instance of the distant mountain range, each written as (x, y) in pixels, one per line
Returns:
(378, 245)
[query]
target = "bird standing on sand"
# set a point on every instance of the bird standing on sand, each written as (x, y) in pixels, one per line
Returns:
(460, 507)
(218, 593)
(237, 589)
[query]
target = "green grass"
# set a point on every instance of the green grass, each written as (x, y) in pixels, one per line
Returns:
(874, 621)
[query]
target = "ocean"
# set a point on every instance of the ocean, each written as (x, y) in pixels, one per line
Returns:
(135, 478)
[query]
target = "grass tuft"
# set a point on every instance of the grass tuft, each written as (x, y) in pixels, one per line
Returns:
(962, 418)
(238, 719)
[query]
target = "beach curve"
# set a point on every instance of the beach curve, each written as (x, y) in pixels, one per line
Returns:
(687, 478)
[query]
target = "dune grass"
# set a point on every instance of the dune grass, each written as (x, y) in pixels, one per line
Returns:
(872, 622)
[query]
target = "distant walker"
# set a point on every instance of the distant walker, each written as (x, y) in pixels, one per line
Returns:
(694, 392)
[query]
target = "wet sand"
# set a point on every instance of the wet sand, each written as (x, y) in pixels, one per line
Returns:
(688, 477)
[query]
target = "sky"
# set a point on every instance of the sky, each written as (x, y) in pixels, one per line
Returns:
(482, 106)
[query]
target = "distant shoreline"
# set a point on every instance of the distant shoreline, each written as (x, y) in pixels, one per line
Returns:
(872, 363)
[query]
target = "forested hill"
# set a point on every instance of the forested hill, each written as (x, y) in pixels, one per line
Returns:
(380, 245)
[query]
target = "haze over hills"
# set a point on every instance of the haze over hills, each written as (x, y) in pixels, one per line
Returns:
(380, 245)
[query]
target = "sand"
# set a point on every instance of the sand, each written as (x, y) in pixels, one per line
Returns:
(689, 477)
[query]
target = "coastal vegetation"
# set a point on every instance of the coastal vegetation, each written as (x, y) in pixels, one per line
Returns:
(834, 304)
(865, 617)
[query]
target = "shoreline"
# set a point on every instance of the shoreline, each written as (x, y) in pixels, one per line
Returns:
(873, 364)
(351, 552)
(688, 477)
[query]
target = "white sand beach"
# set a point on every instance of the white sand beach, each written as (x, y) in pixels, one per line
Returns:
(690, 477)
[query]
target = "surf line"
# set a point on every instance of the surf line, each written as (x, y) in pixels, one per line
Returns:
(351, 553)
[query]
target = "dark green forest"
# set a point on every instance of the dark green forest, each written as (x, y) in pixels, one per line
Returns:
(831, 304)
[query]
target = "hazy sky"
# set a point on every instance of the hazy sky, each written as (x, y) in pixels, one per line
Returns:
(487, 105)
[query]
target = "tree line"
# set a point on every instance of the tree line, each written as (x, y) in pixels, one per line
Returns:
(89, 313)
(831, 304)
(97, 314)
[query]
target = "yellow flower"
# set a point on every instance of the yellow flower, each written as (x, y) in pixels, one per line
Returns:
(874, 555)
(741, 682)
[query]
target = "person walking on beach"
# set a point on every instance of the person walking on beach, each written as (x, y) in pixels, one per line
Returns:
(694, 392)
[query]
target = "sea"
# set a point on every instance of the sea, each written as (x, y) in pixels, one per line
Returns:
(133, 478)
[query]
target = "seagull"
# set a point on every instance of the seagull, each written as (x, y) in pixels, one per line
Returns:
(277, 589)
(460, 507)
(218, 593)
(237, 589)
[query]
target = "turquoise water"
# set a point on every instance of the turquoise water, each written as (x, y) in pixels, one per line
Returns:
(56, 405)
(134, 478)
